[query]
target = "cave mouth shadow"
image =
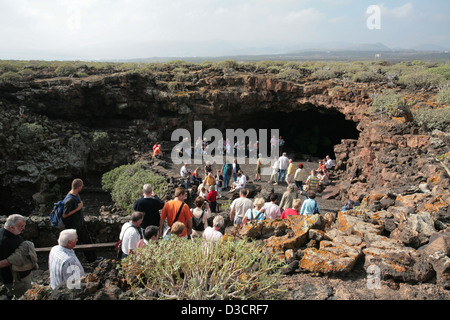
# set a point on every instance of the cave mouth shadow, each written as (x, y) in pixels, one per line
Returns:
(313, 132)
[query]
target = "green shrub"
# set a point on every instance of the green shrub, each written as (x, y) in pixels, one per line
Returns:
(443, 71)
(188, 270)
(290, 75)
(388, 102)
(125, 184)
(173, 86)
(28, 131)
(443, 96)
(26, 73)
(366, 76)
(324, 74)
(100, 140)
(420, 80)
(65, 70)
(228, 64)
(6, 66)
(10, 77)
(431, 119)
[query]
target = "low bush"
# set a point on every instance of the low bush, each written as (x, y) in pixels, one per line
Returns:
(192, 270)
(388, 102)
(366, 76)
(432, 119)
(100, 140)
(10, 76)
(443, 71)
(28, 131)
(420, 80)
(443, 96)
(290, 75)
(65, 70)
(324, 75)
(125, 184)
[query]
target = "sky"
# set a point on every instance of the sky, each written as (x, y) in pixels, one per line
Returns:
(128, 29)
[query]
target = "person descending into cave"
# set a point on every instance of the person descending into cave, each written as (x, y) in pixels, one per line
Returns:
(73, 218)
(311, 183)
(290, 172)
(284, 164)
(281, 143)
(157, 153)
(258, 168)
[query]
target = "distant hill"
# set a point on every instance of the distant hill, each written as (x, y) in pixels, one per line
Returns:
(324, 51)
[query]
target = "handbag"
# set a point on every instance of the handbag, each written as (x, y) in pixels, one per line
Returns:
(167, 228)
(305, 187)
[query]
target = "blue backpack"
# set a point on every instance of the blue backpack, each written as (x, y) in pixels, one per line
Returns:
(58, 208)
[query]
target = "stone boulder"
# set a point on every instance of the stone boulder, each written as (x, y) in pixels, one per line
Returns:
(393, 260)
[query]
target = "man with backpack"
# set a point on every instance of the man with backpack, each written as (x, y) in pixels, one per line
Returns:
(73, 218)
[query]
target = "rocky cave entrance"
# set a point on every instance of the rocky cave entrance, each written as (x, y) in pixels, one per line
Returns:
(312, 132)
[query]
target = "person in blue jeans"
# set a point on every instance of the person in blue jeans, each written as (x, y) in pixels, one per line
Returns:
(226, 172)
(284, 163)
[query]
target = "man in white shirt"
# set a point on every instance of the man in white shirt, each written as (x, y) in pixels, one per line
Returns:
(284, 163)
(240, 183)
(63, 262)
(184, 172)
(239, 207)
(130, 233)
(329, 164)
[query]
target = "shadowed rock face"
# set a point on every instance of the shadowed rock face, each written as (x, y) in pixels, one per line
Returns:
(49, 126)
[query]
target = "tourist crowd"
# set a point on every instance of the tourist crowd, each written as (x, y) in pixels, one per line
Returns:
(154, 219)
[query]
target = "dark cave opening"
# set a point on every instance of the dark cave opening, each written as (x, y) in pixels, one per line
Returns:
(312, 132)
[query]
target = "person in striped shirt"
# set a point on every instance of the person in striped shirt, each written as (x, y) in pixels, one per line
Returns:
(64, 265)
(312, 181)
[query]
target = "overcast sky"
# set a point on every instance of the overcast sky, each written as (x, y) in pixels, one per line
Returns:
(126, 29)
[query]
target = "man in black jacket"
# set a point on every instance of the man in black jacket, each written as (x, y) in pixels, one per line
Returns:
(10, 240)
(73, 218)
(150, 205)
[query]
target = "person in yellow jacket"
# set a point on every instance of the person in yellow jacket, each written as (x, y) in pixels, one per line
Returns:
(290, 172)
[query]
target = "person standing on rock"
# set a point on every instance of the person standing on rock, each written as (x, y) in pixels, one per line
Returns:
(63, 263)
(239, 207)
(73, 218)
(150, 205)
